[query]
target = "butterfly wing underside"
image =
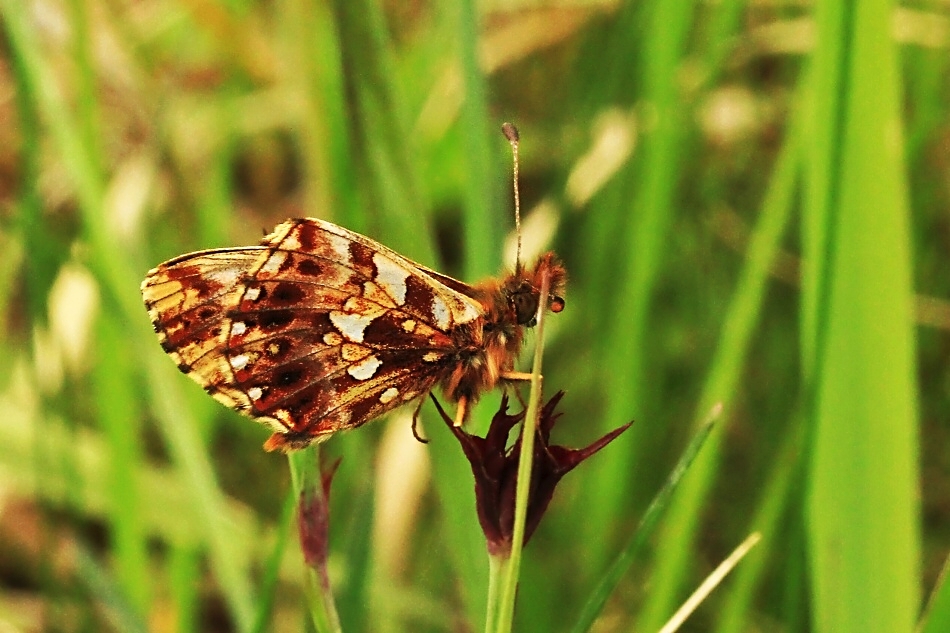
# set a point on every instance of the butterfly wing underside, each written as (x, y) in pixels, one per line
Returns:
(318, 329)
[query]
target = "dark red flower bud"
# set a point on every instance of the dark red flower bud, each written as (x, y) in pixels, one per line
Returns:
(495, 468)
(313, 522)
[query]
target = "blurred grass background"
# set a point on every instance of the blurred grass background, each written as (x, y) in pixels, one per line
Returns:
(751, 199)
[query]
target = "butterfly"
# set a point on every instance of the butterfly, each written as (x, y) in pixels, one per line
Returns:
(320, 329)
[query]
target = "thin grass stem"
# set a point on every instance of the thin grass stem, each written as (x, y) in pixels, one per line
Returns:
(506, 608)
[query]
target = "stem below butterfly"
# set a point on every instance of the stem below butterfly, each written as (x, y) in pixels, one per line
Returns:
(313, 516)
(506, 603)
(497, 570)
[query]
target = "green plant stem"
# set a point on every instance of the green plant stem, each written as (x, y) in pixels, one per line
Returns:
(506, 606)
(497, 569)
(308, 483)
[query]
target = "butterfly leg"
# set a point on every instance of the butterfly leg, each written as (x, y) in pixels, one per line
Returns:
(515, 376)
(415, 422)
(461, 412)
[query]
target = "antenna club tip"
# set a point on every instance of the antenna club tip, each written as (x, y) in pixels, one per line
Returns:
(510, 132)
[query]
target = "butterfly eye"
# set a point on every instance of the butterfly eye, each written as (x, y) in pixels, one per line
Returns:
(524, 302)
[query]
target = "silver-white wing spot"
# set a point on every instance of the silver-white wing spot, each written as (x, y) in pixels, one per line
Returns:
(339, 243)
(351, 325)
(239, 362)
(440, 312)
(364, 369)
(391, 277)
(223, 276)
(274, 262)
(389, 395)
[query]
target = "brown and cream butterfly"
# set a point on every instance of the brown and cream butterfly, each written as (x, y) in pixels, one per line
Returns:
(320, 329)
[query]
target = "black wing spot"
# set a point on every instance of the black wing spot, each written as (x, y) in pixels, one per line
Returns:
(275, 319)
(287, 294)
(309, 267)
(300, 404)
(288, 377)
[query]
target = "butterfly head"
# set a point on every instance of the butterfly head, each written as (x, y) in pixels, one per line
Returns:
(522, 292)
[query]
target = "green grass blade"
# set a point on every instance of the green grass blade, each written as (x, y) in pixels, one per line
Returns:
(228, 561)
(640, 259)
(119, 611)
(863, 511)
(184, 571)
(936, 617)
(777, 502)
(120, 415)
(721, 383)
(482, 214)
(634, 547)
(379, 127)
(268, 586)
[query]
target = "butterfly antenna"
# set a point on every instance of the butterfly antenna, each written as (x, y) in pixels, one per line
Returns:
(511, 133)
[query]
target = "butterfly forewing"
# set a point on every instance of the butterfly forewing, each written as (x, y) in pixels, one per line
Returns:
(316, 330)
